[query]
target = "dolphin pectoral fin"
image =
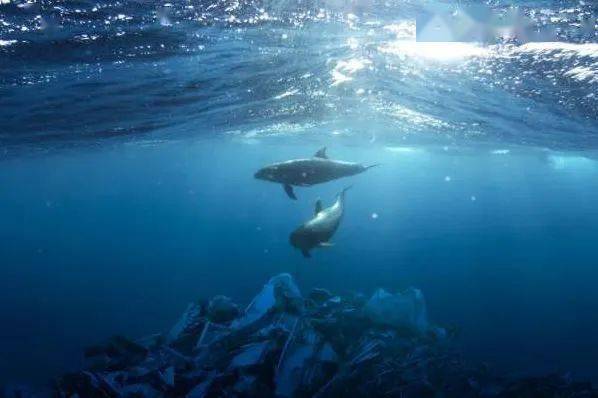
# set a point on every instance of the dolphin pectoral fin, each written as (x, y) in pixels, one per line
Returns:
(289, 190)
(321, 153)
(326, 244)
(306, 253)
(318, 207)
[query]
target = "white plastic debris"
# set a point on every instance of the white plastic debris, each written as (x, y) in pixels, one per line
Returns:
(405, 310)
(251, 354)
(167, 376)
(290, 370)
(190, 319)
(210, 333)
(276, 293)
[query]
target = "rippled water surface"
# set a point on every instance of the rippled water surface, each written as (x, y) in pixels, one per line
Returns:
(130, 132)
(79, 70)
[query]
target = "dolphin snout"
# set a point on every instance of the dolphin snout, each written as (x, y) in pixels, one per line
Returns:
(266, 173)
(259, 174)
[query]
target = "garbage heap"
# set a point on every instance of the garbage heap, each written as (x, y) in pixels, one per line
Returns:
(287, 345)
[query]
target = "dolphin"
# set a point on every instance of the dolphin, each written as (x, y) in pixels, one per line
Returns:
(308, 172)
(318, 231)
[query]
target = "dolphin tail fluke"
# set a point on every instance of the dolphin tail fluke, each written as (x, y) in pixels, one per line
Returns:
(289, 190)
(342, 193)
(306, 253)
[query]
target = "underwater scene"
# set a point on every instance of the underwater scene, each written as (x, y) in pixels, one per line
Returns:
(298, 198)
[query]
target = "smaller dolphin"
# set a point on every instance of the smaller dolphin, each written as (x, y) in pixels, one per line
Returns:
(318, 231)
(307, 172)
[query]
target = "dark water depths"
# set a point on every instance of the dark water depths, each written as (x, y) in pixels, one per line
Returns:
(130, 132)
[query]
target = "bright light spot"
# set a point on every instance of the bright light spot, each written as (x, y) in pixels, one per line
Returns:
(447, 178)
(339, 78)
(414, 117)
(402, 30)
(353, 65)
(559, 162)
(583, 73)
(164, 21)
(6, 43)
(403, 149)
(287, 94)
(435, 51)
(284, 36)
(473, 198)
(343, 69)
(559, 49)
(352, 43)
(374, 216)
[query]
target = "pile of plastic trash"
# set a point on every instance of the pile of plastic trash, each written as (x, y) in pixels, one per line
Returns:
(287, 345)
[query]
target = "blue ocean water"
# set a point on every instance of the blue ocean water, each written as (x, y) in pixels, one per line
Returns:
(130, 132)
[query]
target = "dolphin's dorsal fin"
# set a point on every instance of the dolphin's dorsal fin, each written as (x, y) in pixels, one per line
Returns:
(318, 207)
(321, 154)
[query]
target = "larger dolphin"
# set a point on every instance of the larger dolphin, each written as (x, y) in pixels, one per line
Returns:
(307, 172)
(317, 231)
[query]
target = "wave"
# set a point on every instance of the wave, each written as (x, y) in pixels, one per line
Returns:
(355, 72)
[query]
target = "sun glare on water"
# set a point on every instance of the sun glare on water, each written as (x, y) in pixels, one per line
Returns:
(435, 51)
(406, 45)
